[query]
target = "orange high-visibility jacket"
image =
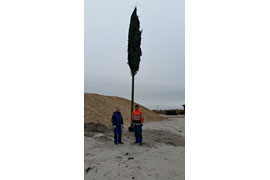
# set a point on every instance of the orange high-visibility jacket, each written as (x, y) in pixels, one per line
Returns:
(137, 117)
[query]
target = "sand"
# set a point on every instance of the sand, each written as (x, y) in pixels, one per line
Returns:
(99, 109)
(162, 155)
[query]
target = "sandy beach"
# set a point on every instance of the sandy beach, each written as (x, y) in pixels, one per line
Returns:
(162, 155)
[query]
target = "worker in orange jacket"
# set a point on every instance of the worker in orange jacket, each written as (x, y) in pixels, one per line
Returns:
(137, 122)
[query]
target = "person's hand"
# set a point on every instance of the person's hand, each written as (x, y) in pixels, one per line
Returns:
(131, 124)
(141, 124)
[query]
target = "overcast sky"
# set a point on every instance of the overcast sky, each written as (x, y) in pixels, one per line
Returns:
(161, 78)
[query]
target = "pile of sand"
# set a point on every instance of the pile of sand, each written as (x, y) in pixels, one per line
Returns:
(99, 109)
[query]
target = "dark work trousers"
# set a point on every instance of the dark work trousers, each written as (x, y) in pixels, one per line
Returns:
(117, 134)
(138, 133)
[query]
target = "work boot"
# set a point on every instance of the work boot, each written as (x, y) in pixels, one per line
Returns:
(115, 143)
(121, 143)
(140, 143)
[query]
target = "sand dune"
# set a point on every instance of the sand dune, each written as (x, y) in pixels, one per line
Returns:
(99, 109)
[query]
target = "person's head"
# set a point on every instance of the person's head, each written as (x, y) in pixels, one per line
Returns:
(136, 106)
(117, 109)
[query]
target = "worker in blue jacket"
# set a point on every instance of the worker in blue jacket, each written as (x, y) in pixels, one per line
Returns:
(117, 122)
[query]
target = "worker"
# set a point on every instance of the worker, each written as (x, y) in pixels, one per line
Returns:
(117, 122)
(137, 122)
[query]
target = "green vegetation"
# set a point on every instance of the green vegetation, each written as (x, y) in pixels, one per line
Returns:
(177, 111)
(134, 49)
